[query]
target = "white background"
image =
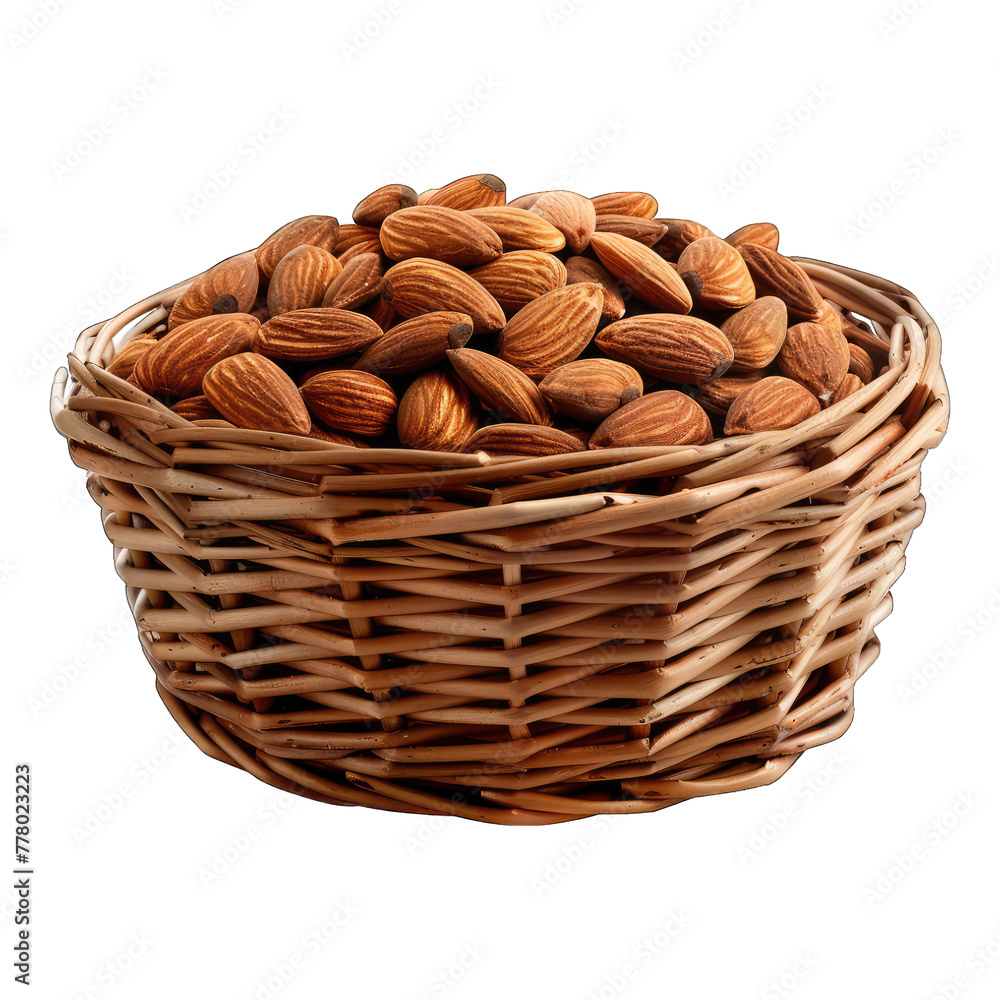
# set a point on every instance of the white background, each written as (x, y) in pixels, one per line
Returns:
(866, 131)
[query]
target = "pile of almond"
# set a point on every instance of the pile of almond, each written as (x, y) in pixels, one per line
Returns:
(455, 320)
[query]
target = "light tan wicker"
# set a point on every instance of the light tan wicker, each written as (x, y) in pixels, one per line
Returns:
(512, 641)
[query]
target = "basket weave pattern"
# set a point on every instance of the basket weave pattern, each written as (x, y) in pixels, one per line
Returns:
(512, 641)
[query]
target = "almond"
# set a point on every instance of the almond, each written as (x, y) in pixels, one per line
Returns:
(522, 440)
(374, 209)
(440, 233)
(643, 271)
(313, 334)
(572, 214)
(351, 401)
(416, 343)
(422, 285)
(717, 395)
(772, 404)
(774, 274)
(196, 408)
(850, 385)
(321, 231)
(381, 312)
(860, 364)
(644, 231)
(681, 349)
(526, 201)
(501, 387)
(815, 356)
(584, 269)
(515, 278)
(177, 364)
(356, 284)
(519, 229)
(230, 286)
(591, 389)
(756, 332)
(715, 274)
(300, 279)
(661, 418)
(426, 195)
(252, 392)
(680, 232)
(436, 413)
(764, 234)
(351, 235)
(552, 329)
(359, 249)
(635, 203)
(123, 363)
(334, 438)
(475, 191)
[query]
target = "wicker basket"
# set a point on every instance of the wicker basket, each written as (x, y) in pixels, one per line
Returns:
(513, 641)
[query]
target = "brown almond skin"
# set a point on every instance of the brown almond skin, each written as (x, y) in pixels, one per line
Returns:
(772, 404)
(356, 284)
(321, 231)
(584, 269)
(718, 395)
(522, 440)
(756, 332)
(861, 364)
(229, 286)
(474, 191)
(123, 363)
(436, 413)
(774, 274)
(516, 278)
(659, 419)
(816, 356)
(644, 231)
(376, 207)
(351, 401)
(572, 214)
(252, 392)
(501, 387)
(682, 349)
(359, 249)
(848, 387)
(423, 285)
(591, 389)
(301, 279)
(643, 271)
(416, 344)
(635, 203)
(439, 233)
(553, 329)
(715, 274)
(315, 334)
(764, 234)
(680, 233)
(177, 364)
(196, 408)
(351, 235)
(520, 229)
